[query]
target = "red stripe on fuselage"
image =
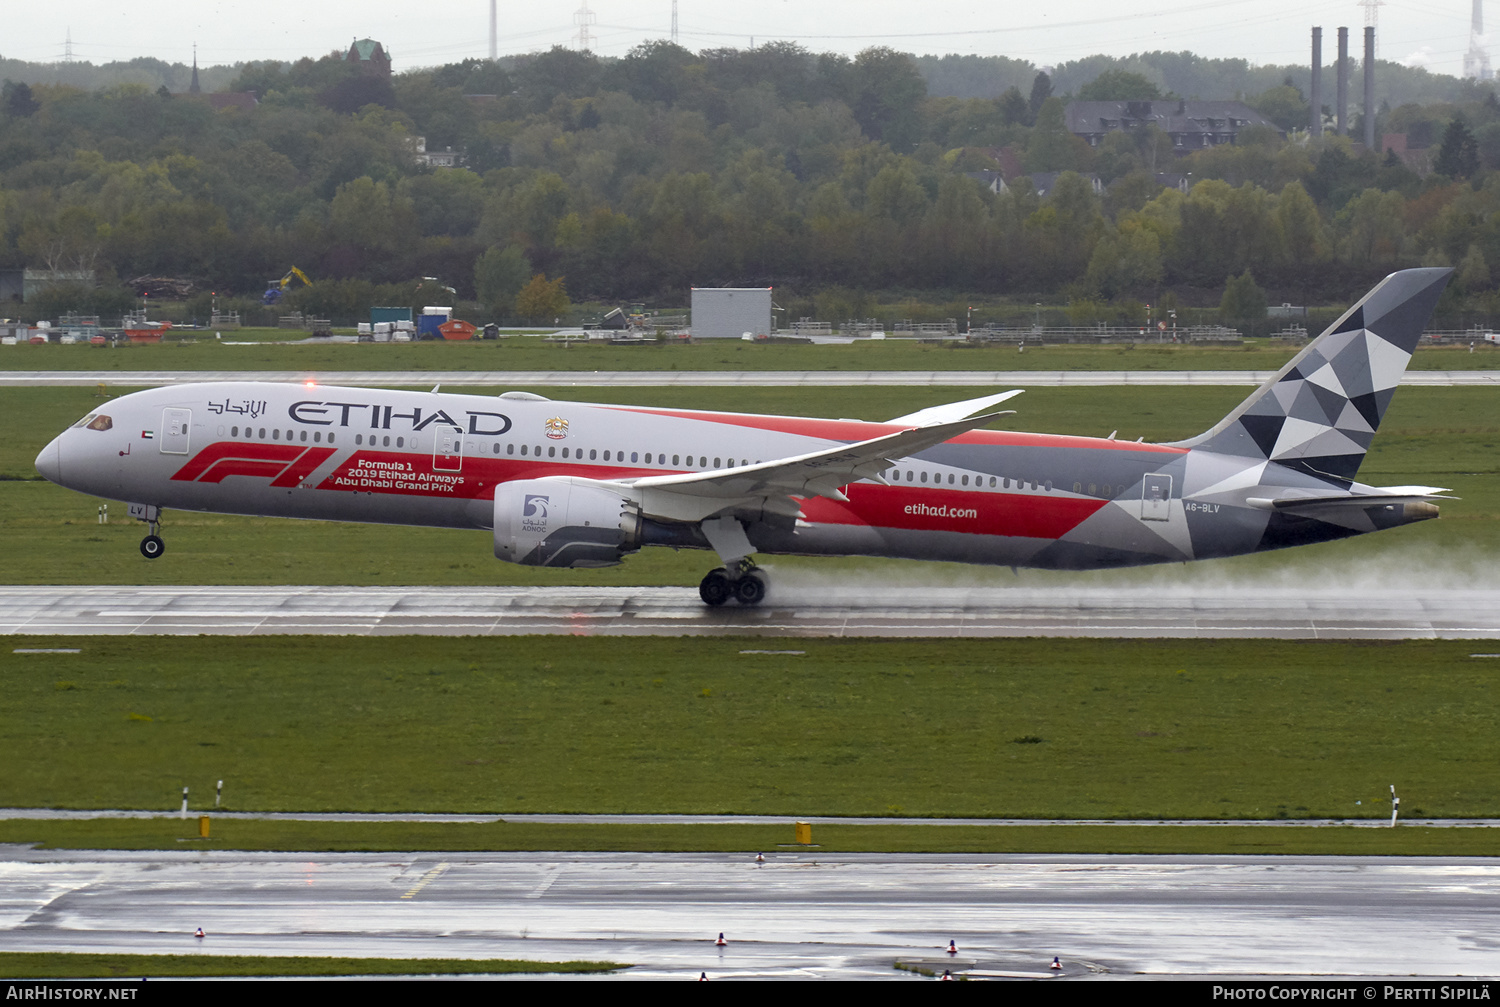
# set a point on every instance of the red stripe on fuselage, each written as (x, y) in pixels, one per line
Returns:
(226, 467)
(414, 474)
(220, 457)
(915, 508)
(1028, 515)
(859, 430)
(302, 467)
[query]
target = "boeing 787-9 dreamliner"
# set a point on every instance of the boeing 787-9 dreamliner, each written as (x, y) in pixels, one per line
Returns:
(571, 484)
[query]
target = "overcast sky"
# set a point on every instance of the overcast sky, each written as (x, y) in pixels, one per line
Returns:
(1434, 33)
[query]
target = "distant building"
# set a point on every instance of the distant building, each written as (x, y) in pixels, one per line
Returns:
(222, 99)
(731, 312)
(371, 56)
(1007, 167)
(34, 281)
(231, 99)
(11, 284)
(1418, 159)
(1192, 125)
(1042, 182)
(991, 180)
(445, 158)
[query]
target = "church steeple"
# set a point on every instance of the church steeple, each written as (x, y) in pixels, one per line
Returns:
(193, 88)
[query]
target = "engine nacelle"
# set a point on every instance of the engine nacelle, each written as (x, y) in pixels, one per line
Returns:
(562, 521)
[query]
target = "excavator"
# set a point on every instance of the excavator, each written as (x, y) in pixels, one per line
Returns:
(276, 288)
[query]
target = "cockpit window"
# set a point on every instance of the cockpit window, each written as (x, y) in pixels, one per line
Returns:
(96, 421)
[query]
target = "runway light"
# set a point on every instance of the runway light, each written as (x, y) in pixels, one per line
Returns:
(198, 932)
(946, 977)
(310, 384)
(703, 977)
(1055, 963)
(721, 942)
(952, 948)
(760, 858)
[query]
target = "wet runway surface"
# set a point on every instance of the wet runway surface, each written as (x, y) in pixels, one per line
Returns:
(1185, 612)
(655, 379)
(797, 916)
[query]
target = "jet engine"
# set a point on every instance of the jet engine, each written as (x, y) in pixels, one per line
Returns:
(562, 521)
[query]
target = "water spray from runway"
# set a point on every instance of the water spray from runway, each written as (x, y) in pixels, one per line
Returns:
(884, 584)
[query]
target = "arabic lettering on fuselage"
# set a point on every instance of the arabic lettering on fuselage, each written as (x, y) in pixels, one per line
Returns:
(248, 407)
(372, 416)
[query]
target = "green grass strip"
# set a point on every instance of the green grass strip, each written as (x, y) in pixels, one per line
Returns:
(62, 965)
(953, 728)
(413, 837)
(534, 353)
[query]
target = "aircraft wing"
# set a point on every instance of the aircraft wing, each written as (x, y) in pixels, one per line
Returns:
(818, 473)
(954, 410)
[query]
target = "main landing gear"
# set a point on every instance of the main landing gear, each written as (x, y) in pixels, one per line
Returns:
(745, 583)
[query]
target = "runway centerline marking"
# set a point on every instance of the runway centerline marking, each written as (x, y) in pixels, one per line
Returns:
(426, 880)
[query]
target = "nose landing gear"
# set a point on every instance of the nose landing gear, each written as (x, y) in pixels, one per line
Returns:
(744, 583)
(151, 546)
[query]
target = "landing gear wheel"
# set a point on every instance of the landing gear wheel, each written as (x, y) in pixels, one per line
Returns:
(152, 546)
(750, 589)
(715, 588)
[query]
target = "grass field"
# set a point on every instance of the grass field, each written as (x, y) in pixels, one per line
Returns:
(1434, 436)
(529, 353)
(1016, 728)
(338, 837)
(44, 965)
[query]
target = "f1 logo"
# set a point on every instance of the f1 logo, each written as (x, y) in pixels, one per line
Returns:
(535, 506)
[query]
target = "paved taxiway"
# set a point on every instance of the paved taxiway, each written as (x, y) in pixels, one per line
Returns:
(810, 610)
(799, 915)
(655, 379)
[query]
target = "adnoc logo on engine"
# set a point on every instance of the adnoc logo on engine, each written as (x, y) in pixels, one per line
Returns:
(534, 512)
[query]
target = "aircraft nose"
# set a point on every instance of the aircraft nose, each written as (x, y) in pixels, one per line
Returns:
(49, 462)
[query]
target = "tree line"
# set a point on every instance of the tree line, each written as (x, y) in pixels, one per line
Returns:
(637, 178)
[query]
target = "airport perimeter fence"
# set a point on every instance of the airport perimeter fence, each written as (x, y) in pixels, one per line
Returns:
(1104, 335)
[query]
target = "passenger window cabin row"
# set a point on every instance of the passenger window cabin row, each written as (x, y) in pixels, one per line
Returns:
(954, 479)
(895, 476)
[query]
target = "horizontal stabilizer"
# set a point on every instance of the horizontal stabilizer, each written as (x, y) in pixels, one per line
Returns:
(1365, 498)
(955, 410)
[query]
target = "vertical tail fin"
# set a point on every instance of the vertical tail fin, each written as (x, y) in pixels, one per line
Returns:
(1320, 412)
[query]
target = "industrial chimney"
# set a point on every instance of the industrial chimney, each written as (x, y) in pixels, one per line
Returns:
(1315, 98)
(1369, 87)
(1342, 110)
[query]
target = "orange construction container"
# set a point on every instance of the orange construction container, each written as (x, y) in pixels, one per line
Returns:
(457, 329)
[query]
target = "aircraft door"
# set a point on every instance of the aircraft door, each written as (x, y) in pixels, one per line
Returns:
(175, 424)
(448, 450)
(1156, 497)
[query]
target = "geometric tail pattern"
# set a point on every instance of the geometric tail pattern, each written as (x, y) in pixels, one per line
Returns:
(1320, 412)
